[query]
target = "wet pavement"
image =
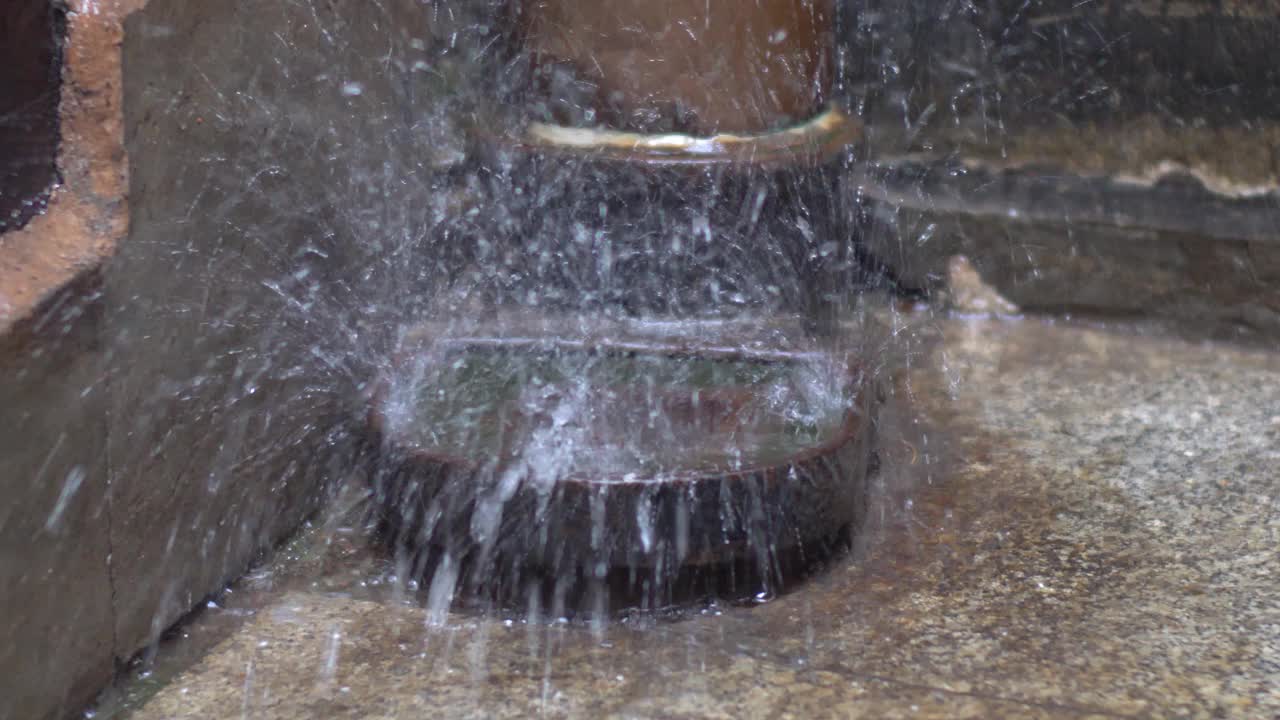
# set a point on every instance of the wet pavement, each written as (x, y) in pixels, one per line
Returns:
(1070, 521)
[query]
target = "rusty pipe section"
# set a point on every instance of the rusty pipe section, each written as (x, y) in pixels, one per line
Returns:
(695, 67)
(659, 116)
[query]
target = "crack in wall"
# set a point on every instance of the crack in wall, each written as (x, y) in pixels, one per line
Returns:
(113, 608)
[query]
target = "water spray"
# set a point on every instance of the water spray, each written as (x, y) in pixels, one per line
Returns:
(654, 400)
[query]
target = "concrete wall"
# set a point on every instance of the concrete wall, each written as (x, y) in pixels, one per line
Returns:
(173, 414)
(1109, 158)
(56, 644)
(259, 136)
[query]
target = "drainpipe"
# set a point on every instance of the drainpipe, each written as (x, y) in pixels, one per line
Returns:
(700, 142)
(684, 80)
(701, 67)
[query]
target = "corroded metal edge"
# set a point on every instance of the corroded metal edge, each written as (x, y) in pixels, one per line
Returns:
(87, 215)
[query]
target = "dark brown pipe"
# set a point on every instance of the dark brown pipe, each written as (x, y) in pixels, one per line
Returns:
(691, 66)
(30, 80)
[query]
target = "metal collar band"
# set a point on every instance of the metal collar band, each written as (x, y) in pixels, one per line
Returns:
(817, 139)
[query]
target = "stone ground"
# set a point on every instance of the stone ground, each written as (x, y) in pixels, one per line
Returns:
(1073, 520)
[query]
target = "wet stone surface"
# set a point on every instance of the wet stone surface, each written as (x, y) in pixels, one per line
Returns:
(1073, 521)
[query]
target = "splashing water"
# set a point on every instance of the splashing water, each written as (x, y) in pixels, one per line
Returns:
(556, 413)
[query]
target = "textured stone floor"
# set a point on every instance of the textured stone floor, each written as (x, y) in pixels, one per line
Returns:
(1073, 521)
